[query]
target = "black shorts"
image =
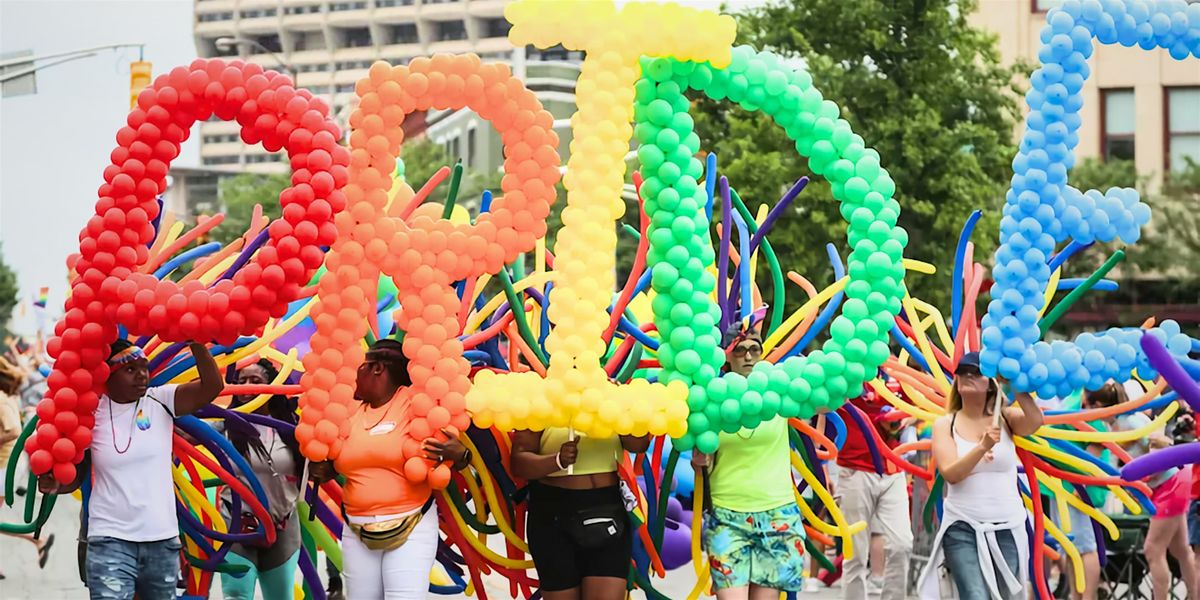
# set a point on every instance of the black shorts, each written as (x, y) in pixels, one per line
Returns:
(561, 563)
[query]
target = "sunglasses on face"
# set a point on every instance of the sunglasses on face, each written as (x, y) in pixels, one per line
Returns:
(969, 372)
(747, 350)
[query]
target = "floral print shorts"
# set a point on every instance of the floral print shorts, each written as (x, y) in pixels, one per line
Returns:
(763, 548)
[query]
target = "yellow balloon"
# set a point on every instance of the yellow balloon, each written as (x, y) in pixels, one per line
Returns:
(614, 39)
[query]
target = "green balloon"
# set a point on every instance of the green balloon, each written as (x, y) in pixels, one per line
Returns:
(752, 403)
(707, 442)
(659, 112)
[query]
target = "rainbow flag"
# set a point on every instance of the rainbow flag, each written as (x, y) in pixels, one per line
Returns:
(42, 298)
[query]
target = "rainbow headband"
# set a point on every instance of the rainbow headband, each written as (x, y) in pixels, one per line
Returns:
(127, 355)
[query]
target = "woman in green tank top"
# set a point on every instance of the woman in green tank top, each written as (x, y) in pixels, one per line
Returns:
(752, 530)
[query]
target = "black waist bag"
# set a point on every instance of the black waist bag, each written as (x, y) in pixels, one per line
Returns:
(595, 526)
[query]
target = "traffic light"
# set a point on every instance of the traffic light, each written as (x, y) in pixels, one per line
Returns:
(139, 78)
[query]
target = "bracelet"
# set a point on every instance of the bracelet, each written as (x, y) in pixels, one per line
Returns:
(558, 460)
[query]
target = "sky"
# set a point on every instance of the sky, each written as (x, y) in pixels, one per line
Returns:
(55, 144)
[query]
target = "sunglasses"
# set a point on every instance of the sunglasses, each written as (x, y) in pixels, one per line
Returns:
(969, 370)
(747, 350)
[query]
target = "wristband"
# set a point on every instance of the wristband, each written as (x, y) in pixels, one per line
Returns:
(558, 460)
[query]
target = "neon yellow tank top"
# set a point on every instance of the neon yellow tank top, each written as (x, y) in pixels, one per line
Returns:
(595, 455)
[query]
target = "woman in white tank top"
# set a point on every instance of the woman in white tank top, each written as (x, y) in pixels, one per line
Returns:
(982, 540)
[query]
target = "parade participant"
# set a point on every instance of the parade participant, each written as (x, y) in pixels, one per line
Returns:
(1171, 494)
(132, 531)
(982, 540)
(579, 533)
(391, 536)
(10, 430)
(880, 499)
(752, 529)
(276, 461)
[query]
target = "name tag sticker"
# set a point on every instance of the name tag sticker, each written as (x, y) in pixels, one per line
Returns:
(382, 428)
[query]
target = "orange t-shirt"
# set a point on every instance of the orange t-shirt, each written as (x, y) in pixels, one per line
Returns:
(372, 460)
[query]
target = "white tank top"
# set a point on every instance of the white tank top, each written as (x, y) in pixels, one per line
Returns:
(989, 494)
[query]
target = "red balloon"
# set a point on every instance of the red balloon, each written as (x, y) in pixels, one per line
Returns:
(110, 289)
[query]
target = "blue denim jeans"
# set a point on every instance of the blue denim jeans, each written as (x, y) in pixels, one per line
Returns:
(117, 568)
(962, 559)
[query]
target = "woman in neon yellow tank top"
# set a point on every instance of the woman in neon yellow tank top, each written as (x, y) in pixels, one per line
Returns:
(752, 530)
(578, 531)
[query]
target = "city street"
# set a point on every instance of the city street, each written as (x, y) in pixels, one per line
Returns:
(60, 579)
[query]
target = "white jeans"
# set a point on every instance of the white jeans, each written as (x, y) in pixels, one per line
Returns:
(881, 501)
(400, 574)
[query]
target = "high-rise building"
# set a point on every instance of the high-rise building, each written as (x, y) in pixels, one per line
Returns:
(1138, 105)
(328, 45)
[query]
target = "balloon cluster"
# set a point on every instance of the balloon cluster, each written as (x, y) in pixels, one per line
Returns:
(576, 391)
(684, 312)
(115, 285)
(1060, 368)
(424, 256)
(1041, 209)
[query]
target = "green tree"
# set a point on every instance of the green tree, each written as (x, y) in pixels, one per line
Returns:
(239, 195)
(920, 84)
(8, 293)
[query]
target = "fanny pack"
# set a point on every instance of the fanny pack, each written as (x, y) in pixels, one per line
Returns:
(390, 534)
(595, 526)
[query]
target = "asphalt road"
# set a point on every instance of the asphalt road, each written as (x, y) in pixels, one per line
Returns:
(60, 578)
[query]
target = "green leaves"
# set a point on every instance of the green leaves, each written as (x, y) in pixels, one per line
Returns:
(919, 84)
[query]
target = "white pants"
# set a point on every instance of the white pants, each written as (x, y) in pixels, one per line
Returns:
(400, 574)
(881, 501)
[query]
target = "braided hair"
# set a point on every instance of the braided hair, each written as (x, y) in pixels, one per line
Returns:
(283, 408)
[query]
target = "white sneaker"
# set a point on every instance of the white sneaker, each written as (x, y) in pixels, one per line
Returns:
(874, 586)
(812, 585)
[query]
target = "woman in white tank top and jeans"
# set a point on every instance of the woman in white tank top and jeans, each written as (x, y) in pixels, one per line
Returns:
(982, 540)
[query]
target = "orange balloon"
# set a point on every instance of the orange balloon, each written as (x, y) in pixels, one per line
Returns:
(424, 253)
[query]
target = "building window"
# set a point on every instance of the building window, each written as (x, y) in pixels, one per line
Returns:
(218, 16)
(221, 139)
(553, 53)
(254, 14)
(1183, 127)
(300, 10)
(343, 88)
(320, 89)
(270, 42)
(308, 40)
(438, 1)
(470, 148)
(405, 33)
(450, 30)
(262, 158)
(357, 37)
(1117, 124)
(220, 160)
(391, 3)
(497, 27)
(1045, 5)
(350, 65)
(312, 68)
(337, 6)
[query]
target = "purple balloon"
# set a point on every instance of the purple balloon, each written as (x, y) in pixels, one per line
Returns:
(1171, 370)
(1161, 460)
(674, 509)
(676, 545)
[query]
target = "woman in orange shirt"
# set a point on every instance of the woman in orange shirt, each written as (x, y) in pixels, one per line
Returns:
(391, 533)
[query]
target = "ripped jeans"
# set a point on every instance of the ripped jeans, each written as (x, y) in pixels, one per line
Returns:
(117, 568)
